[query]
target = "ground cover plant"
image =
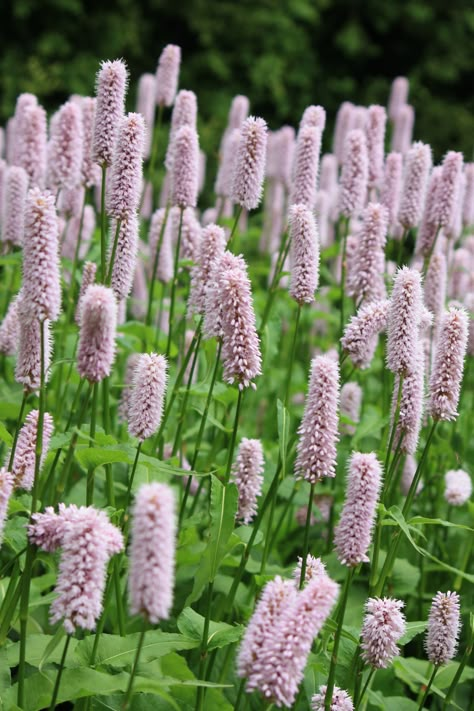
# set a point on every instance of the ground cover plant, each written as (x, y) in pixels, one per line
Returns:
(235, 408)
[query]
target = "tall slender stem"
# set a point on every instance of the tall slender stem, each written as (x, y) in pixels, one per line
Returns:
(343, 278)
(337, 638)
(108, 279)
(393, 428)
(202, 425)
(401, 245)
(182, 416)
(370, 676)
(128, 693)
(90, 473)
(103, 222)
(282, 255)
(59, 674)
(234, 226)
(154, 150)
(428, 688)
(132, 473)
(204, 643)
(155, 265)
(174, 283)
(17, 429)
(306, 535)
(230, 454)
(460, 669)
(30, 553)
(292, 355)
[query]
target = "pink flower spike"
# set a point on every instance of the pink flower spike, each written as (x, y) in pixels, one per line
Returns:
(10, 329)
(403, 320)
(384, 624)
(341, 701)
(351, 402)
(152, 552)
(146, 107)
(41, 291)
(240, 344)
(448, 187)
(417, 169)
(124, 189)
(225, 172)
(31, 145)
(185, 168)
(314, 116)
(90, 171)
(249, 166)
(304, 254)
(354, 531)
(458, 487)
(375, 132)
(147, 395)
(279, 667)
(428, 228)
(435, 285)
(96, 349)
(361, 334)
(184, 114)
(23, 467)
(398, 95)
(392, 185)
(306, 167)
(212, 248)
(28, 364)
(411, 404)
(447, 371)
(111, 86)
(6, 489)
(167, 75)
(366, 278)
(276, 597)
(125, 256)
(343, 125)
(238, 112)
(15, 185)
(65, 149)
(444, 626)
(403, 129)
(354, 175)
(318, 431)
(247, 473)
(468, 202)
(314, 567)
(88, 278)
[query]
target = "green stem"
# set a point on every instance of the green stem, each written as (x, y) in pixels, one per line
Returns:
(343, 279)
(392, 552)
(154, 150)
(234, 227)
(401, 245)
(240, 695)
(427, 260)
(17, 429)
(30, 553)
(282, 255)
(132, 473)
(103, 221)
(59, 674)
(128, 693)
(292, 356)
(202, 425)
(428, 688)
(155, 265)
(106, 423)
(113, 253)
(337, 638)
(182, 416)
(90, 473)
(393, 430)
(230, 454)
(174, 283)
(370, 676)
(10, 600)
(306, 536)
(204, 643)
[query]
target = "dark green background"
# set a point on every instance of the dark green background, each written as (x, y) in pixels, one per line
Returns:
(283, 54)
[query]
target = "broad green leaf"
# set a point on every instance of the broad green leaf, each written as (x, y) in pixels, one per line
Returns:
(39, 645)
(54, 642)
(283, 419)
(421, 520)
(92, 457)
(222, 510)
(397, 516)
(412, 630)
(391, 703)
(190, 623)
(5, 435)
(120, 651)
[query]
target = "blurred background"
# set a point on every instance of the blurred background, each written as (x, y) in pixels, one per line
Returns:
(283, 54)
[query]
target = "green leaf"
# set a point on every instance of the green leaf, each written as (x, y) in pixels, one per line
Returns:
(52, 646)
(222, 510)
(221, 634)
(412, 630)
(120, 651)
(391, 703)
(421, 520)
(283, 420)
(5, 435)
(397, 516)
(39, 646)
